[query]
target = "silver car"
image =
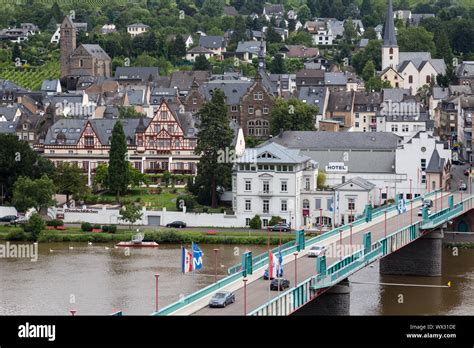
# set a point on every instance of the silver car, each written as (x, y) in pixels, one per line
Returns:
(222, 299)
(316, 250)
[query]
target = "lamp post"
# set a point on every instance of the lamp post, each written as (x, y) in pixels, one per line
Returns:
(460, 183)
(380, 196)
(280, 234)
(157, 275)
(320, 220)
(340, 243)
(385, 223)
(215, 265)
(411, 206)
(386, 194)
(351, 233)
(245, 295)
(296, 267)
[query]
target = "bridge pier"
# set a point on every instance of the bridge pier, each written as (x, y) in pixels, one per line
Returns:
(335, 301)
(420, 258)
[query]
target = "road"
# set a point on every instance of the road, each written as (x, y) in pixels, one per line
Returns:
(258, 291)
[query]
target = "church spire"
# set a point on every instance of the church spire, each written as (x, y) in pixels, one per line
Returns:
(261, 55)
(389, 37)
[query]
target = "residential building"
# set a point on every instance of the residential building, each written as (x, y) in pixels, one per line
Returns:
(137, 29)
(366, 107)
(217, 44)
(340, 108)
(248, 50)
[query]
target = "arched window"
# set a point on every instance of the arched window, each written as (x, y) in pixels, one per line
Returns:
(390, 51)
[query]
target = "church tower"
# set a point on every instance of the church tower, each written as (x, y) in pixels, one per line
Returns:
(390, 46)
(261, 56)
(67, 44)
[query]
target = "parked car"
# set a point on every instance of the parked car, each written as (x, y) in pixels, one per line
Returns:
(279, 284)
(280, 227)
(427, 203)
(316, 250)
(222, 299)
(420, 212)
(458, 162)
(176, 224)
(8, 218)
(462, 187)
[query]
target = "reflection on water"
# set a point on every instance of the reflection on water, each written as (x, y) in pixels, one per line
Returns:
(384, 300)
(95, 280)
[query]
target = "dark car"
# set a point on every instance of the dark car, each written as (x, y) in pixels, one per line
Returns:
(8, 218)
(222, 299)
(265, 274)
(176, 224)
(280, 227)
(279, 284)
(458, 162)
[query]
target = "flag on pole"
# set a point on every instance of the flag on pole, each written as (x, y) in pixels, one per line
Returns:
(197, 257)
(280, 265)
(271, 265)
(186, 260)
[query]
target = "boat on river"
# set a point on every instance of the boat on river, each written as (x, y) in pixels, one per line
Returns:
(137, 242)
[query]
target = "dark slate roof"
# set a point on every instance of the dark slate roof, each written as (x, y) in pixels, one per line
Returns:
(234, 90)
(137, 73)
(313, 96)
(274, 9)
(49, 85)
(338, 140)
(184, 79)
(8, 127)
(96, 51)
(230, 11)
(362, 183)
(389, 36)
(364, 99)
(212, 42)
(249, 46)
(340, 101)
(436, 163)
(440, 92)
(8, 112)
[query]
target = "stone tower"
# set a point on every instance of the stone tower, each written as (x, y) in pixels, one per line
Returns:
(67, 44)
(390, 46)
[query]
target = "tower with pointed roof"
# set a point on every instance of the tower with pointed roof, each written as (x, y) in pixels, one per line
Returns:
(261, 56)
(390, 47)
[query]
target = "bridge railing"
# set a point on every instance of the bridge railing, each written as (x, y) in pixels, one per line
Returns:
(258, 260)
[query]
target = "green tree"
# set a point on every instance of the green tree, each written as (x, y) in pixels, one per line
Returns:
(373, 52)
(178, 48)
(213, 8)
(278, 65)
(255, 223)
(294, 65)
(350, 33)
(131, 213)
(129, 112)
(16, 52)
(415, 39)
(135, 177)
(100, 178)
(17, 159)
(274, 220)
(272, 36)
(321, 179)
(70, 180)
(117, 176)
(215, 136)
(34, 225)
(36, 194)
(375, 84)
(292, 114)
(201, 63)
(369, 70)
(443, 48)
(304, 14)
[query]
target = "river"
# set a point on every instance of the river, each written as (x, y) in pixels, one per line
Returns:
(100, 279)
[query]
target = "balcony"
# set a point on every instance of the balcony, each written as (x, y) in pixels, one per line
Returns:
(155, 170)
(265, 193)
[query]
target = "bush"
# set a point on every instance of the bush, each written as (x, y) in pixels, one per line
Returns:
(96, 227)
(222, 210)
(112, 229)
(205, 209)
(188, 200)
(34, 225)
(105, 228)
(16, 235)
(55, 223)
(86, 227)
(274, 220)
(256, 223)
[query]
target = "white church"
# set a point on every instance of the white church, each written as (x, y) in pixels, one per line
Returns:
(409, 70)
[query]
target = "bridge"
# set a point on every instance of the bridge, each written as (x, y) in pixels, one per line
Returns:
(405, 244)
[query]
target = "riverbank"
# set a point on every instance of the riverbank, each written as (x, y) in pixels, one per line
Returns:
(165, 236)
(458, 240)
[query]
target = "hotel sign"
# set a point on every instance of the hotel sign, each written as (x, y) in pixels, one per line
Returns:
(336, 167)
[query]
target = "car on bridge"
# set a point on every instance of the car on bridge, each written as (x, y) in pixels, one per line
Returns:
(265, 274)
(280, 227)
(427, 203)
(222, 299)
(279, 284)
(420, 212)
(316, 250)
(176, 224)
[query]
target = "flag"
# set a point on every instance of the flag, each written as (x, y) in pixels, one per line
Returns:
(280, 265)
(186, 260)
(197, 257)
(271, 265)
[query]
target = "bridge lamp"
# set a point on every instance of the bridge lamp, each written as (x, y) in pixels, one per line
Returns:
(245, 296)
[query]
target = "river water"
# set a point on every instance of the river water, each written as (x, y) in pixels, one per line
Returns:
(99, 279)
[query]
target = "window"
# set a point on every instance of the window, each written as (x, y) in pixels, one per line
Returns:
(247, 222)
(305, 204)
(194, 101)
(351, 204)
(330, 204)
(164, 115)
(394, 128)
(250, 109)
(233, 108)
(258, 96)
(307, 184)
(248, 205)
(384, 195)
(248, 185)
(350, 218)
(428, 78)
(88, 141)
(317, 203)
(265, 222)
(265, 109)
(266, 187)
(266, 205)
(390, 51)
(405, 128)
(410, 79)
(423, 163)
(284, 186)
(284, 205)
(357, 124)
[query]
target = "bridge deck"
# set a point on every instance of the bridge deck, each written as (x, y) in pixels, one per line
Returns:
(258, 292)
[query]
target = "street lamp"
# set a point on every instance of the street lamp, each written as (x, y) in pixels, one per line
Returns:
(351, 234)
(340, 243)
(157, 275)
(245, 295)
(320, 220)
(411, 205)
(385, 222)
(296, 268)
(380, 196)
(386, 194)
(215, 265)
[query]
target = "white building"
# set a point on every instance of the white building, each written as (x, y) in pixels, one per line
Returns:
(137, 29)
(269, 181)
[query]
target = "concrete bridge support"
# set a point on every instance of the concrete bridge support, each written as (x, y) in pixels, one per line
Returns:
(423, 257)
(335, 301)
